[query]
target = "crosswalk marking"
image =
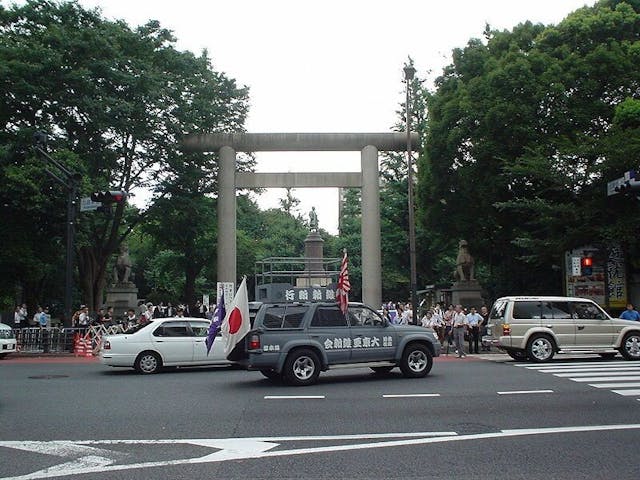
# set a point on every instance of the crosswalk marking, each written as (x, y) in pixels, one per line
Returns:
(627, 393)
(621, 378)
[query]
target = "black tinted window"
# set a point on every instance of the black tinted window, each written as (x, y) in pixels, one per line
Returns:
(172, 329)
(329, 317)
(524, 310)
(284, 317)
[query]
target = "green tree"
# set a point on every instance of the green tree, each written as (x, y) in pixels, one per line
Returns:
(119, 98)
(520, 143)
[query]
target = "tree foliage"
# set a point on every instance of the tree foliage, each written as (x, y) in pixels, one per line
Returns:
(119, 99)
(524, 133)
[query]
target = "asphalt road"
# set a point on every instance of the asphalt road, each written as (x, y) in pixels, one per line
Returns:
(470, 418)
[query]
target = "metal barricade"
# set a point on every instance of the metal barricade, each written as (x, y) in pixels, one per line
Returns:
(61, 340)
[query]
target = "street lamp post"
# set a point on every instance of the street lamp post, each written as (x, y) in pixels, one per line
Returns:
(409, 72)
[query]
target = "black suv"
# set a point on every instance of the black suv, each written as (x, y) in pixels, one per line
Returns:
(295, 341)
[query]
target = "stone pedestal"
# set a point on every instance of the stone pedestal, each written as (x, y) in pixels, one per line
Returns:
(467, 293)
(314, 273)
(122, 297)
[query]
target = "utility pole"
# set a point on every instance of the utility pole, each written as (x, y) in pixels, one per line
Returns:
(70, 180)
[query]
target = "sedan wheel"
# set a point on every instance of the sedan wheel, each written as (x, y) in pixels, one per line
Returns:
(540, 349)
(630, 348)
(148, 362)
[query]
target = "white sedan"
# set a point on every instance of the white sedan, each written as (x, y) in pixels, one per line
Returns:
(165, 342)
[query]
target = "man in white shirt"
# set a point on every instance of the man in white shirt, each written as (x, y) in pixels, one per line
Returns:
(474, 319)
(459, 324)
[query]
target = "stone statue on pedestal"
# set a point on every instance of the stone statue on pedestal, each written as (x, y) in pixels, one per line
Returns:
(465, 264)
(466, 290)
(122, 268)
(313, 220)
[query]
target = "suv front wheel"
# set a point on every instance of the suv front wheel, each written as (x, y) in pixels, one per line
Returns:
(630, 348)
(416, 361)
(302, 367)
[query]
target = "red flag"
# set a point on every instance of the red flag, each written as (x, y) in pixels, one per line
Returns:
(342, 293)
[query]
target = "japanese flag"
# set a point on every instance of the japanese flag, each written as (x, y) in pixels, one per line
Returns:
(236, 323)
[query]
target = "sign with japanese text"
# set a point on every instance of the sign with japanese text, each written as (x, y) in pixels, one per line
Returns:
(616, 278)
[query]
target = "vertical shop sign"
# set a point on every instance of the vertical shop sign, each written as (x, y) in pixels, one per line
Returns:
(616, 278)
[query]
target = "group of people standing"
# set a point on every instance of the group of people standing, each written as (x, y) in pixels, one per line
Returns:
(41, 318)
(455, 324)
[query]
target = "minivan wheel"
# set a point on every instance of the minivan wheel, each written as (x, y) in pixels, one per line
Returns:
(302, 367)
(416, 361)
(630, 348)
(540, 348)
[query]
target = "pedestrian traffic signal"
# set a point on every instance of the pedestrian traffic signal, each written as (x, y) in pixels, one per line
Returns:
(107, 197)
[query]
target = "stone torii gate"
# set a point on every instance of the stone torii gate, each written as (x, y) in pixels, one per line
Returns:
(369, 144)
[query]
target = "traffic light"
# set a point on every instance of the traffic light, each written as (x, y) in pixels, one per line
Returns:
(587, 266)
(108, 197)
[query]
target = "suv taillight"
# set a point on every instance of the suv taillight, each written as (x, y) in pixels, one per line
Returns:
(506, 329)
(254, 342)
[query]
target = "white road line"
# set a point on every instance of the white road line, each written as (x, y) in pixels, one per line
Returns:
(410, 395)
(523, 392)
(630, 378)
(592, 373)
(240, 449)
(627, 393)
(615, 385)
(583, 369)
(567, 364)
(293, 397)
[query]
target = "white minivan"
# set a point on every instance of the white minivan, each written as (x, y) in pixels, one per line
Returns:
(8, 343)
(535, 328)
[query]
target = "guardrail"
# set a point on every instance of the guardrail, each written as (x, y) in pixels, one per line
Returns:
(61, 340)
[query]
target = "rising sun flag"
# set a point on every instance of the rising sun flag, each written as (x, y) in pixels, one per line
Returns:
(342, 293)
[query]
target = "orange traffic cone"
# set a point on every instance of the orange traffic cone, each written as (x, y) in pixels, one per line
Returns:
(78, 347)
(88, 350)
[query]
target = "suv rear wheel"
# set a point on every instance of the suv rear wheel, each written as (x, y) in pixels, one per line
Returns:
(630, 348)
(302, 367)
(540, 348)
(416, 361)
